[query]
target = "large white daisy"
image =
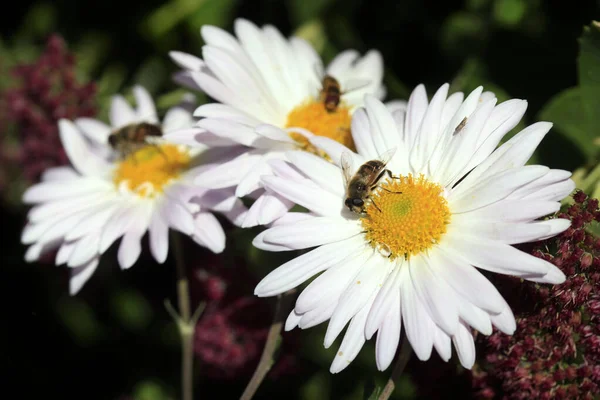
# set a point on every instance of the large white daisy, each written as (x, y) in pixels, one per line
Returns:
(456, 204)
(269, 89)
(84, 208)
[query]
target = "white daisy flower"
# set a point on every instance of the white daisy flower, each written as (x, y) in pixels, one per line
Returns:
(270, 90)
(83, 209)
(455, 204)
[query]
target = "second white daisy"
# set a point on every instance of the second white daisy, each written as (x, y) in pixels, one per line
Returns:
(274, 96)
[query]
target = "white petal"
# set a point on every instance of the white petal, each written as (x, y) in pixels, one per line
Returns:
(514, 153)
(323, 173)
(179, 218)
(465, 346)
(266, 209)
(209, 232)
(85, 249)
(185, 60)
(388, 337)
(146, 111)
(383, 127)
(442, 344)
(494, 188)
(505, 232)
(57, 190)
(353, 341)
(292, 321)
(228, 173)
(159, 238)
(64, 252)
(335, 149)
(313, 232)
(84, 160)
(95, 130)
(514, 210)
(465, 280)
(94, 223)
(315, 199)
(242, 134)
(251, 181)
(361, 133)
(387, 298)
(495, 256)
(121, 113)
(418, 325)
(115, 227)
(298, 270)
(177, 118)
(357, 295)
(318, 315)
(328, 287)
(436, 297)
(505, 321)
(80, 275)
(417, 105)
(130, 249)
(430, 130)
(59, 174)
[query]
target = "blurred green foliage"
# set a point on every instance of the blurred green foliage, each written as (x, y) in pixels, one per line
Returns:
(116, 337)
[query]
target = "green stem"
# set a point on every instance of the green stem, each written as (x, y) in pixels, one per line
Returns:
(185, 321)
(266, 358)
(405, 352)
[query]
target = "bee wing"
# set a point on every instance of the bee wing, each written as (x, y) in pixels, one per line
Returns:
(346, 163)
(319, 72)
(355, 84)
(387, 155)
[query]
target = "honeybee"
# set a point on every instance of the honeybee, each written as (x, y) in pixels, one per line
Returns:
(331, 93)
(361, 184)
(132, 137)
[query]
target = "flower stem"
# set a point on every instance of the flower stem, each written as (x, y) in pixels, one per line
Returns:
(405, 352)
(185, 321)
(266, 358)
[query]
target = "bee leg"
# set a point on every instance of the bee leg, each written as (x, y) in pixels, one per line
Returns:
(162, 153)
(376, 206)
(389, 173)
(389, 191)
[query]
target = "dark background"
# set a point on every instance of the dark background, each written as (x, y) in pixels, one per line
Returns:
(115, 338)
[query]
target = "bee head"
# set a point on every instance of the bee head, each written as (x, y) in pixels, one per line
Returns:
(113, 140)
(354, 203)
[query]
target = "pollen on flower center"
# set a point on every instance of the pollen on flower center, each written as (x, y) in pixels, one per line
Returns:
(149, 169)
(314, 117)
(406, 216)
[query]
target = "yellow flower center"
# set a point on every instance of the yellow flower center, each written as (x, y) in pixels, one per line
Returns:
(150, 168)
(406, 216)
(314, 117)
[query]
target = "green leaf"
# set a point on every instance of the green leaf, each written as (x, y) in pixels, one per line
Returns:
(509, 13)
(150, 390)
(213, 12)
(132, 310)
(566, 111)
(589, 76)
(304, 10)
(318, 387)
(314, 33)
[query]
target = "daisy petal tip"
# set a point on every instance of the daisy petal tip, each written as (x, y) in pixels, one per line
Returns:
(554, 276)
